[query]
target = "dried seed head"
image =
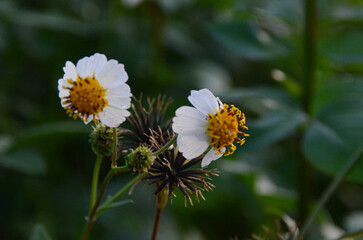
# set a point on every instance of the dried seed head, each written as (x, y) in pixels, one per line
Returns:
(171, 171)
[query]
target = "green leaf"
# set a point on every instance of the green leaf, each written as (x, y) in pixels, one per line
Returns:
(343, 48)
(25, 160)
(337, 131)
(338, 89)
(354, 235)
(39, 233)
(328, 151)
(50, 130)
(46, 20)
(346, 118)
(273, 127)
(277, 205)
(5, 143)
(105, 208)
(247, 41)
(262, 100)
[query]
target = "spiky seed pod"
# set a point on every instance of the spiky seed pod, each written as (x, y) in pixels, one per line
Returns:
(145, 120)
(171, 171)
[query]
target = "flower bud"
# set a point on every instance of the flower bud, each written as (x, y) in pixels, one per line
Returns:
(140, 159)
(101, 140)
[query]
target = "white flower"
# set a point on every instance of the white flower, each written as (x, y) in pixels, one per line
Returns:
(95, 89)
(209, 125)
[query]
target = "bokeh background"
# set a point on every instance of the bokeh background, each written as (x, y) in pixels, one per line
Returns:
(248, 52)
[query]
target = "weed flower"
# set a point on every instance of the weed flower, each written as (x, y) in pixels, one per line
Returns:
(209, 125)
(95, 89)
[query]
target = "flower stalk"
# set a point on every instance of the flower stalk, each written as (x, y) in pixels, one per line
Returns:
(122, 191)
(308, 92)
(161, 199)
(96, 172)
(114, 148)
(93, 211)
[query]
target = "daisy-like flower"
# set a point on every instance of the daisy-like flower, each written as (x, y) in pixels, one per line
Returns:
(209, 125)
(171, 171)
(95, 89)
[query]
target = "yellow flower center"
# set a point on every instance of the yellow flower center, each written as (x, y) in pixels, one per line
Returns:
(86, 97)
(224, 128)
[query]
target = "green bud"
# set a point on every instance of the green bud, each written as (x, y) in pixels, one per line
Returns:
(140, 159)
(101, 140)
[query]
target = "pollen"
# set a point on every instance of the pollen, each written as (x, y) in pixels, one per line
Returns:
(86, 98)
(225, 128)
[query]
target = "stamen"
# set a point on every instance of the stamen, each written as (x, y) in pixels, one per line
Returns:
(224, 127)
(86, 98)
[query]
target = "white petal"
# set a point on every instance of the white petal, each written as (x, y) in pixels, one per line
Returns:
(82, 67)
(65, 105)
(119, 97)
(219, 103)
(189, 121)
(204, 101)
(193, 146)
(70, 71)
(120, 103)
(89, 119)
(120, 91)
(190, 112)
(112, 117)
(98, 62)
(112, 74)
(63, 93)
(211, 156)
(188, 131)
(63, 84)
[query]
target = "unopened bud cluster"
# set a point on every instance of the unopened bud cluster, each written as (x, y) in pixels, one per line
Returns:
(101, 140)
(140, 159)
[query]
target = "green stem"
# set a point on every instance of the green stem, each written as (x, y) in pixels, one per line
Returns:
(114, 148)
(308, 92)
(304, 184)
(87, 230)
(161, 200)
(166, 146)
(114, 171)
(96, 172)
(106, 181)
(123, 190)
(331, 189)
(92, 215)
(310, 43)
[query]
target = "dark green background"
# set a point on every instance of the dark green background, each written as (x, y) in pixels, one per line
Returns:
(249, 53)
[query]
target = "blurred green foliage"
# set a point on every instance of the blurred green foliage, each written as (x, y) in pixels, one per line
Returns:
(247, 52)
